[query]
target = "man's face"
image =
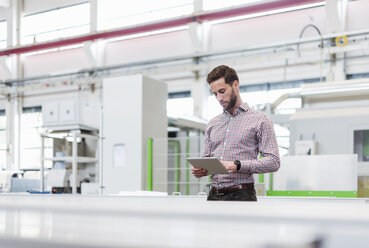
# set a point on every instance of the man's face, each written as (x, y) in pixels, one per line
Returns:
(224, 93)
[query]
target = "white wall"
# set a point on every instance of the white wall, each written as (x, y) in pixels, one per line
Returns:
(38, 97)
(357, 15)
(149, 48)
(268, 29)
(55, 62)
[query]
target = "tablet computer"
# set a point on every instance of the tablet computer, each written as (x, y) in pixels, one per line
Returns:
(212, 165)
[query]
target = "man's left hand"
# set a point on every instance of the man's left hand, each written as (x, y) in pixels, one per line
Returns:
(229, 165)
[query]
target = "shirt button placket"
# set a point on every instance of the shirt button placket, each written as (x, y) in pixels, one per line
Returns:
(225, 143)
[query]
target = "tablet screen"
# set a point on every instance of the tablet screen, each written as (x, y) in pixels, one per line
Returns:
(212, 165)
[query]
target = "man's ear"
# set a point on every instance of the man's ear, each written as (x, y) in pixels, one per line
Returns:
(236, 83)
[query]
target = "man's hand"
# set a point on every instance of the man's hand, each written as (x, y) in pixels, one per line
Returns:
(229, 165)
(199, 172)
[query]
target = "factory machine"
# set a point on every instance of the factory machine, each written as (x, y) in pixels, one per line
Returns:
(98, 141)
(329, 137)
(134, 125)
(71, 129)
(334, 119)
(18, 181)
(104, 150)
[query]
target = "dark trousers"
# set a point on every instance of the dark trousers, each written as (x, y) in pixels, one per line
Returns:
(238, 195)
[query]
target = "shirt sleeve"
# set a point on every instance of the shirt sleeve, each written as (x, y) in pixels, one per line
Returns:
(268, 148)
(207, 146)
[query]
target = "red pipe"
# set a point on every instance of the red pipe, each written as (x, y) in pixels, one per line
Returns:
(158, 25)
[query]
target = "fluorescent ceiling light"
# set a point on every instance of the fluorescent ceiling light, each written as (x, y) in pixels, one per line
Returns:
(266, 13)
(361, 87)
(51, 50)
(161, 31)
(321, 92)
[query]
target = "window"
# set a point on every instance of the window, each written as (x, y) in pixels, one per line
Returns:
(214, 107)
(361, 145)
(2, 140)
(3, 34)
(180, 106)
(30, 140)
(117, 13)
(54, 24)
(283, 139)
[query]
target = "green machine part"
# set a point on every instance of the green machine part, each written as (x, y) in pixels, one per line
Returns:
(261, 176)
(344, 194)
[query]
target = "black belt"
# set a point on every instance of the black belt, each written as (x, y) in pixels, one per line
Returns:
(232, 188)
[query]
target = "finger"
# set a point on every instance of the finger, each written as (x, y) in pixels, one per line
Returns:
(199, 170)
(198, 173)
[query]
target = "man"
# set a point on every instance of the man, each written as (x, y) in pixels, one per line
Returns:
(236, 137)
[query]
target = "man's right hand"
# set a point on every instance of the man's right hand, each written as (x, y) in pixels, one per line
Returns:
(198, 172)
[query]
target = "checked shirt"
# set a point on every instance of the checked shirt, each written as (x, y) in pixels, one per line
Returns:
(242, 137)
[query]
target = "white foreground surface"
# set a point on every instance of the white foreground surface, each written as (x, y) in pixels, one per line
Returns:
(115, 221)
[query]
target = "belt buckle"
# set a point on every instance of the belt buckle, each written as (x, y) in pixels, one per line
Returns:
(217, 191)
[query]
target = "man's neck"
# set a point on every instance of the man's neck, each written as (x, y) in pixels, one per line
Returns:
(231, 111)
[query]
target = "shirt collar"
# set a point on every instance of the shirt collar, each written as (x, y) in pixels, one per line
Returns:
(243, 107)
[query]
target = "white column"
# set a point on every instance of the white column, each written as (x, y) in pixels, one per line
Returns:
(198, 5)
(199, 93)
(9, 111)
(17, 113)
(5, 67)
(95, 50)
(42, 163)
(93, 15)
(199, 88)
(13, 23)
(74, 164)
(336, 15)
(88, 48)
(336, 19)
(13, 36)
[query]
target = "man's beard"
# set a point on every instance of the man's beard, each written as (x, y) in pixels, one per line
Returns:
(232, 101)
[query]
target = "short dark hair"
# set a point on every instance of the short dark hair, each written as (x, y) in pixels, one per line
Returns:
(222, 71)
